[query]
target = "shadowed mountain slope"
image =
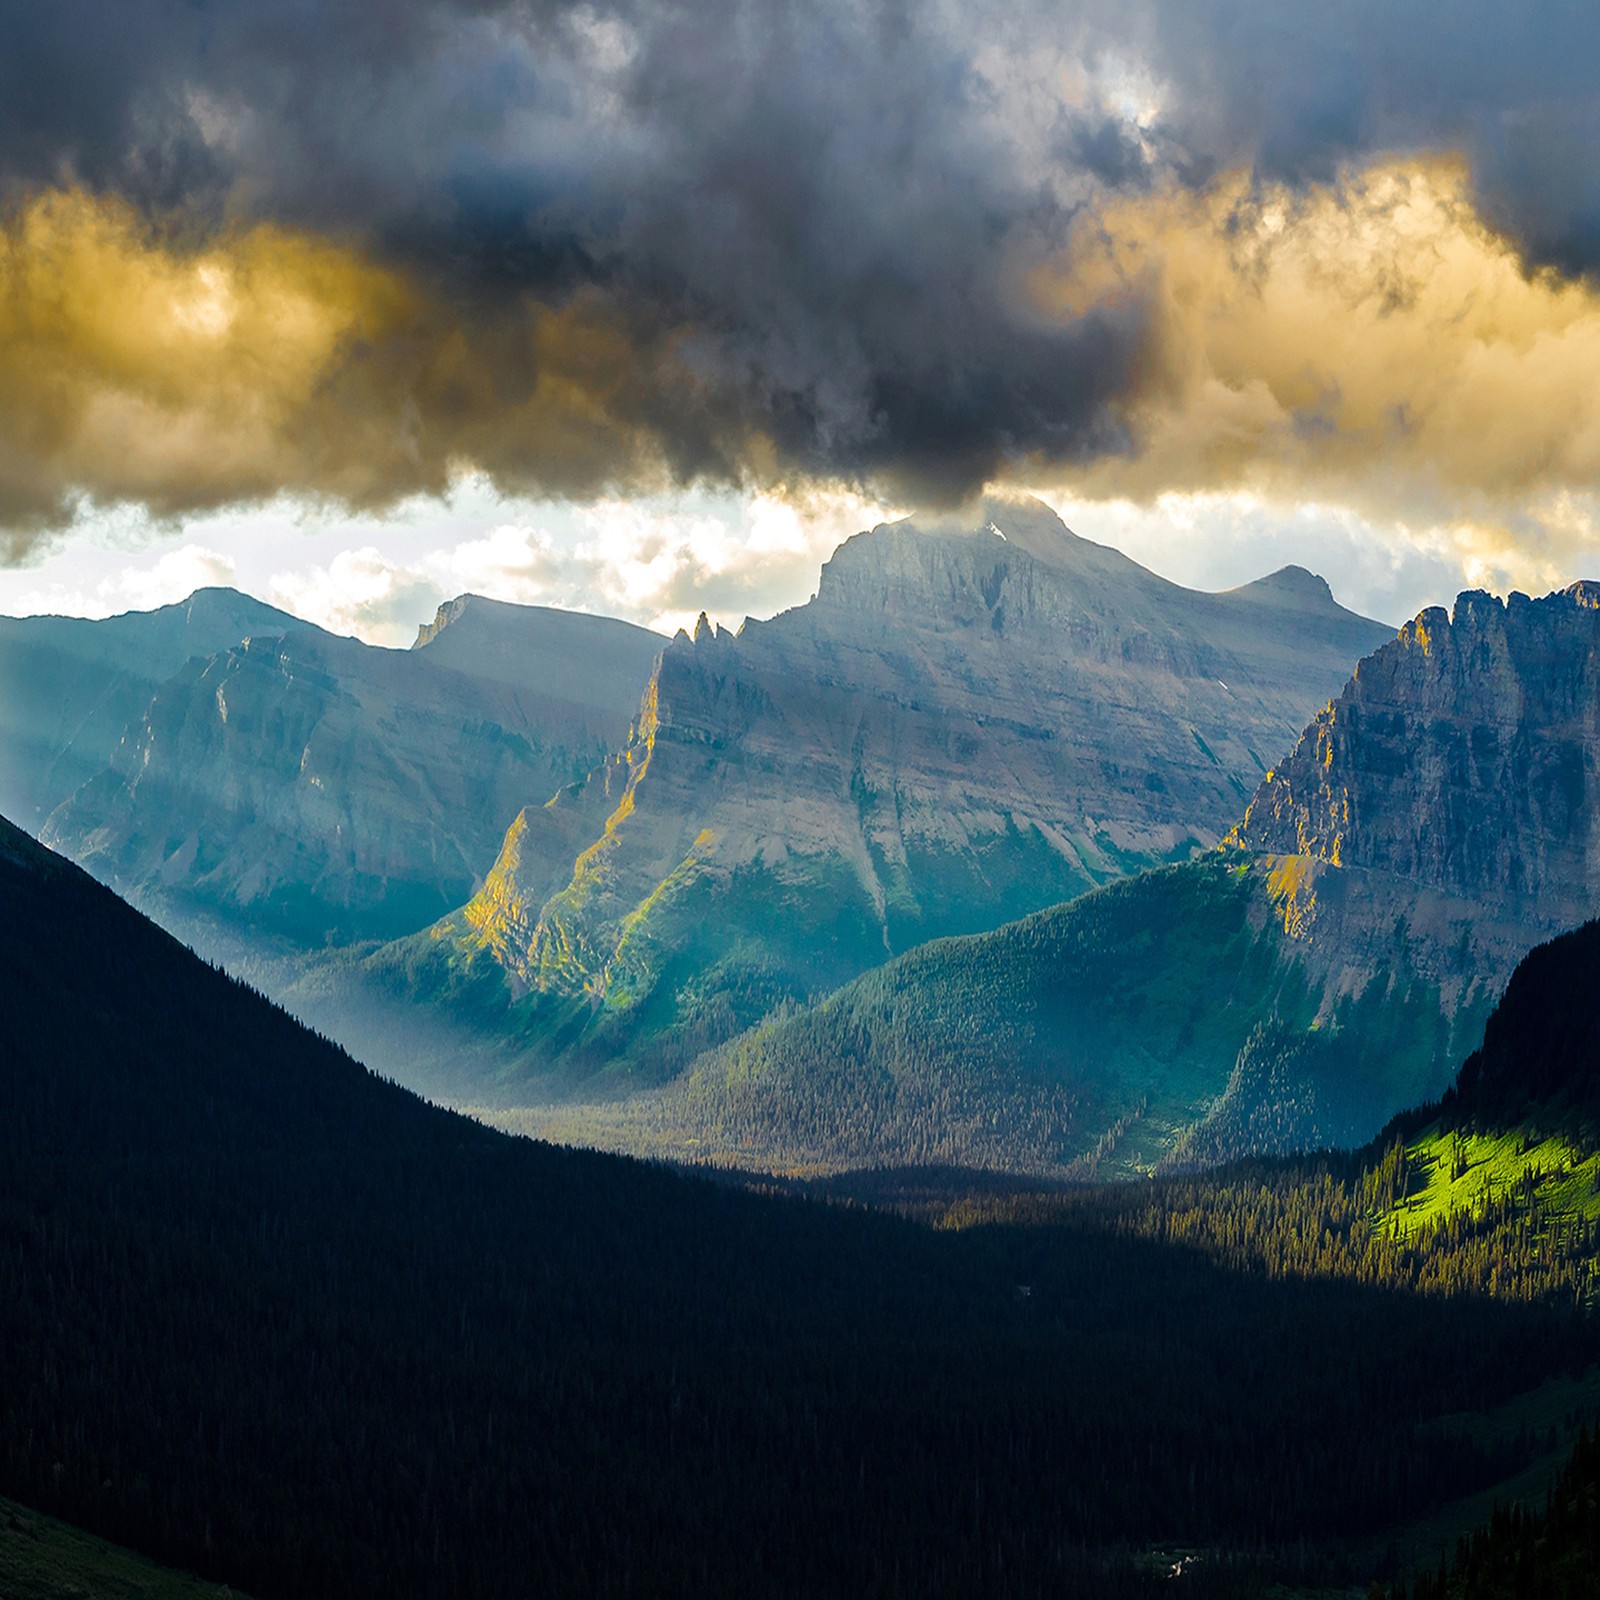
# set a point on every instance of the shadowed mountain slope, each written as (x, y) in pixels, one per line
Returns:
(273, 1320)
(320, 789)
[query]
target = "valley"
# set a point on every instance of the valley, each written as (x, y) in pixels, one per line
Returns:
(1177, 1176)
(439, 1332)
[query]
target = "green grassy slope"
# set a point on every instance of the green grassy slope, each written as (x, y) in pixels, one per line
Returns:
(1165, 1018)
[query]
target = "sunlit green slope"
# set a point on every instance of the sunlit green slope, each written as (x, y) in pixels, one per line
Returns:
(1520, 1129)
(1169, 1019)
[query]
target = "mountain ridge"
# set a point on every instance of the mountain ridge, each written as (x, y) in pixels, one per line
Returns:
(312, 787)
(958, 728)
(70, 685)
(1339, 953)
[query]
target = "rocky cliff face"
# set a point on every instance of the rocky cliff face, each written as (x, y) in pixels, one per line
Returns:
(320, 789)
(965, 724)
(1462, 759)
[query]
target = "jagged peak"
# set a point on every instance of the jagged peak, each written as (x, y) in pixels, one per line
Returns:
(1446, 673)
(703, 629)
(1475, 605)
(448, 612)
(1478, 606)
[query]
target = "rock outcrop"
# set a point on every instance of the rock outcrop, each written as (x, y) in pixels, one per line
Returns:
(1464, 757)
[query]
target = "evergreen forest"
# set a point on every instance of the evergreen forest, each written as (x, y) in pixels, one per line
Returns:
(280, 1324)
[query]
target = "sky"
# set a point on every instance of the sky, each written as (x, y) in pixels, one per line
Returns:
(641, 307)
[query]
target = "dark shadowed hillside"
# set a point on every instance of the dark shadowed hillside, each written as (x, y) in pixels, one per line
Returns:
(277, 1322)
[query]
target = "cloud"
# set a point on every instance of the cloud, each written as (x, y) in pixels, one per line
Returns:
(663, 565)
(659, 564)
(172, 577)
(350, 247)
(1371, 343)
(132, 370)
(359, 593)
(585, 249)
(176, 576)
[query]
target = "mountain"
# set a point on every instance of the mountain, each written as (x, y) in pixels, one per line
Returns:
(583, 668)
(69, 686)
(969, 721)
(324, 790)
(1538, 1068)
(275, 1321)
(1329, 968)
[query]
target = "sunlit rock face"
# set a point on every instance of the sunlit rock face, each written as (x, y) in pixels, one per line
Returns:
(1463, 756)
(318, 789)
(968, 722)
(1433, 824)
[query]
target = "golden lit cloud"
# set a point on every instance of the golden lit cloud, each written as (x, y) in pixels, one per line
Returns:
(1372, 343)
(131, 369)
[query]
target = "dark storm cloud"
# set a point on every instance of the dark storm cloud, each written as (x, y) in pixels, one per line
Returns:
(823, 219)
(1295, 90)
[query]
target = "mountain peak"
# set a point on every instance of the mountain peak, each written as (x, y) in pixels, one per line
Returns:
(1019, 520)
(1292, 585)
(216, 606)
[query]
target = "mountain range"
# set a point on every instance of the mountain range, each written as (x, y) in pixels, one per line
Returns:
(1327, 968)
(971, 720)
(298, 786)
